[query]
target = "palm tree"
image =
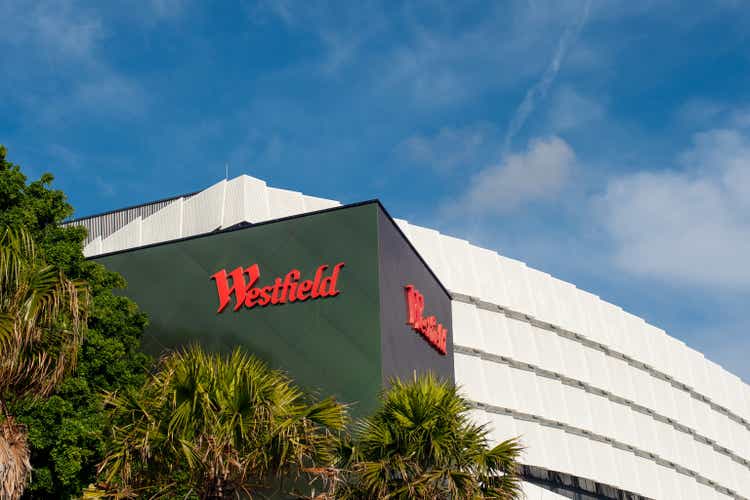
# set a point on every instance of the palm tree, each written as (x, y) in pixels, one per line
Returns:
(42, 319)
(227, 426)
(421, 443)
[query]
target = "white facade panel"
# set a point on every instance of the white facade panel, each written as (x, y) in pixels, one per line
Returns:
(500, 427)
(580, 414)
(202, 213)
(644, 394)
(457, 254)
(470, 377)
(128, 236)
(499, 392)
(527, 390)
(664, 400)
(632, 326)
(519, 293)
(467, 330)
(735, 400)
(604, 456)
(284, 203)
(164, 225)
(574, 363)
(495, 333)
(742, 475)
(597, 328)
(535, 452)
(603, 423)
(234, 202)
(629, 472)
(684, 408)
(257, 207)
(490, 279)
(522, 339)
(567, 311)
(650, 480)
(669, 480)
(313, 204)
(544, 296)
(93, 247)
(597, 363)
(717, 389)
(740, 439)
(621, 378)
(553, 401)
(549, 351)
(556, 453)
(611, 317)
(427, 243)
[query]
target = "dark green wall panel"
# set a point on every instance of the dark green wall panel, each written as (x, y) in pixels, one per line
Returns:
(331, 344)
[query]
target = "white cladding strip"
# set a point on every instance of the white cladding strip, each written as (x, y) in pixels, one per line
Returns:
(583, 455)
(226, 203)
(534, 492)
(503, 337)
(607, 351)
(549, 399)
(472, 271)
(579, 452)
(557, 392)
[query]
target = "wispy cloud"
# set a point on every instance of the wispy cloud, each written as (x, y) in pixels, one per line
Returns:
(341, 29)
(452, 148)
(686, 226)
(539, 90)
(571, 109)
(537, 174)
(61, 43)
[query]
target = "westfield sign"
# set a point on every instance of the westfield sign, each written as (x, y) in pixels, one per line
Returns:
(242, 284)
(432, 331)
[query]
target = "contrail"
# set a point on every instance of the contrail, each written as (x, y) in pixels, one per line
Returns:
(540, 88)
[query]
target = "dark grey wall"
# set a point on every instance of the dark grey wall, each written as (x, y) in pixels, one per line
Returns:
(404, 351)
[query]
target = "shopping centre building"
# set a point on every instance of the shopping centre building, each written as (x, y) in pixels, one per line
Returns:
(345, 297)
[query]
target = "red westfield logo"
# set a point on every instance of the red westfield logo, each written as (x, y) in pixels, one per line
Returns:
(434, 332)
(289, 289)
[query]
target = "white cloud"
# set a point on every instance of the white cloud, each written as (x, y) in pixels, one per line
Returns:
(538, 174)
(570, 110)
(539, 90)
(62, 42)
(451, 148)
(690, 226)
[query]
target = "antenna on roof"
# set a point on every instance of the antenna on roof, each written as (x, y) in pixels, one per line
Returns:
(226, 170)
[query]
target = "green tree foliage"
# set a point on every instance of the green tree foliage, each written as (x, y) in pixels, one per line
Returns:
(226, 426)
(67, 431)
(421, 443)
(42, 319)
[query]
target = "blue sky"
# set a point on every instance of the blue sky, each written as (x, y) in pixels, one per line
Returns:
(605, 142)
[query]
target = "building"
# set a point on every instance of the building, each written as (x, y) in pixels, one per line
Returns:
(607, 405)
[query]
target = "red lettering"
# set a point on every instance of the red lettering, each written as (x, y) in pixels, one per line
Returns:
(265, 296)
(331, 282)
(316, 282)
(288, 289)
(276, 291)
(251, 296)
(238, 288)
(432, 331)
(303, 290)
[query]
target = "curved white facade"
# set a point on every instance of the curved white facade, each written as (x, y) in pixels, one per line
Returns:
(593, 391)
